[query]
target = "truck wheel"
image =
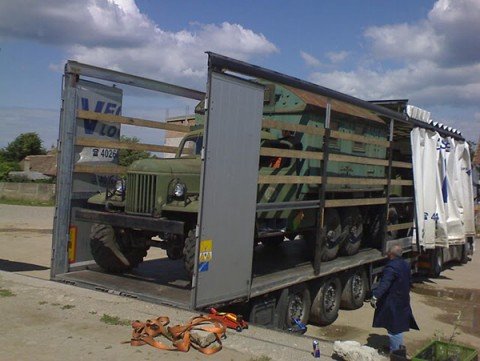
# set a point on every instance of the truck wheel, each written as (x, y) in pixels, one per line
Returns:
(436, 262)
(174, 246)
(465, 252)
(333, 232)
(189, 252)
(273, 242)
(325, 306)
(352, 231)
(115, 250)
(355, 289)
(298, 305)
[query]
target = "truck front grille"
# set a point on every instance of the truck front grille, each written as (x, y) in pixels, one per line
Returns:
(140, 194)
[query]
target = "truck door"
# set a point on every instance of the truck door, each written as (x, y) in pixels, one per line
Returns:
(223, 266)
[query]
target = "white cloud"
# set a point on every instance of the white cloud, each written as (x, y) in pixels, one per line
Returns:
(437, 63)
(337, 57)
(115, 34)
(309, 59)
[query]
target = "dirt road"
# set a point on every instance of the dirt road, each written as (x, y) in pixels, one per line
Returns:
(25, 242)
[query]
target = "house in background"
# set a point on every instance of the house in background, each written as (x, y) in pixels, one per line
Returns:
(37, 167)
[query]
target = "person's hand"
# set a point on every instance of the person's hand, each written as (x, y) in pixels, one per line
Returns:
(373, 302)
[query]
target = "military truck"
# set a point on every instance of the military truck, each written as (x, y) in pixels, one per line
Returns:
(283, 199)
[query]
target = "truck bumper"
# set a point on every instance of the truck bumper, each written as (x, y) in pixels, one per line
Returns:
(127, 221)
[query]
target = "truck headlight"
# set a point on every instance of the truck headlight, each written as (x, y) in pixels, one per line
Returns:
(120, 186)
(179, 190)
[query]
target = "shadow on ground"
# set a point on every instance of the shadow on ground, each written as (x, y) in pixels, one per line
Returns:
(13, 266)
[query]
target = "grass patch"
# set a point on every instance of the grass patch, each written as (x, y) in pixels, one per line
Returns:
(261, 358)
(42, 302)
(114, 320)
(55, 304)
(67, 307)
(25, 202)
(6, 293)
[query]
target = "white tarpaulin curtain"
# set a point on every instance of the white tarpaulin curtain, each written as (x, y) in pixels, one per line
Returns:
(443, 189)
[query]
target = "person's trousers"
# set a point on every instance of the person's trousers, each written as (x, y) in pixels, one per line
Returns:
(396, 340)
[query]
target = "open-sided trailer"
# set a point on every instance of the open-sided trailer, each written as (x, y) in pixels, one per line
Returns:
(274, 286)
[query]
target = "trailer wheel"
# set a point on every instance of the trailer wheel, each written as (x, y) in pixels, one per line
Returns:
(355, 289)
(352, 231)
(332, 232)
(115, 249)
(465, 252)
(298, 305)
(325, 306)
(436, 262)
(189, 252)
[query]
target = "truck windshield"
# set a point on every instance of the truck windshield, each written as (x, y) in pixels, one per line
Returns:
(192, 146)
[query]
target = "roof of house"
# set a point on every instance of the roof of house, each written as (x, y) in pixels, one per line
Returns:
(45, 164)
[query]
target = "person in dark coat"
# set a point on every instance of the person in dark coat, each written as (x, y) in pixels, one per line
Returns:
(391, 299)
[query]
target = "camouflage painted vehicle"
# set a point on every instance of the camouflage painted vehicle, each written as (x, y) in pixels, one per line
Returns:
(168, 189)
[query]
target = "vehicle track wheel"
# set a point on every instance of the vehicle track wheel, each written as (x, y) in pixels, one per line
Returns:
(332, 234)
(352, 231)
(326, 303)
(116, 249)
(298, 305)
(189, 252)
(354, 291)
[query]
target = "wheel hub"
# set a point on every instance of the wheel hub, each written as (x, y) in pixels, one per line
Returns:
(295, 307)
(357, 286)
(330, 298)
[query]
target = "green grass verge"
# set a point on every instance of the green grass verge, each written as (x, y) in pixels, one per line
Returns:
(24, 202)
(6, 293)
(114, 320)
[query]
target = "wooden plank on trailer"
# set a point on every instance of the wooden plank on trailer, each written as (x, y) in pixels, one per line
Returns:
(100, 143)
(359, 160)
(99, 168)
(402, 182)
(359, 138)
(290, 153)
(397, 164)
(396, 227)
(353, 180)
(85, 114)
(330, 203)
(307, 129)
(289, 179)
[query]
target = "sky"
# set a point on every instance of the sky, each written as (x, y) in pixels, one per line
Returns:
(422, 50)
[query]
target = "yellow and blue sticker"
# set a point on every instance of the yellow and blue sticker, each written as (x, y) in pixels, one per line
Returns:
(205, 255)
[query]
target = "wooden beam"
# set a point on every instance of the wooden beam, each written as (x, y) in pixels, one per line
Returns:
(352, 180)
(115, 144)
(290, 153)
(110, 118)
(397, 164)
(360, 138)
(330, 203)
(402, 182)
(289, 179)
(99, 168)
(307, 129)
(359, 160)
(396, 227)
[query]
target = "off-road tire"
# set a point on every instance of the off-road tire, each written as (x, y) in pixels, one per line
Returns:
(355, 290)
(174, 247)
(352, 231)
(299, 304)
(189, 252)
(326, 303)
(111, 248)
(332, 226)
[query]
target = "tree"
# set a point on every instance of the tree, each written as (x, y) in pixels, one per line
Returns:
(128, 156)
(23, 145)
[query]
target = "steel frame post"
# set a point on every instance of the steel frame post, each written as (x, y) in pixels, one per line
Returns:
(388, 186)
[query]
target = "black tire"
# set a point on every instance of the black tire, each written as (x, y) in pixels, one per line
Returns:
(352, 231)
(326, 303)
(174, 247)
(333, 230)
(436, 262)
(113, 250)
(355, 290)
(299, 303)
(465, 252)
(189, 253)
(273, 242)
